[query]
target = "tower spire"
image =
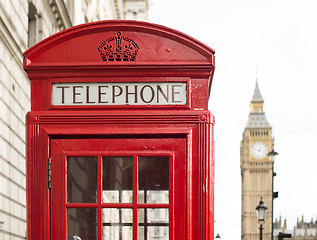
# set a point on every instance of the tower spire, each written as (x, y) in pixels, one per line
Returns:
(257, 102)
(257, 97)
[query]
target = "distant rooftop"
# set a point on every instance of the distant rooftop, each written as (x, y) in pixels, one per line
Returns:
(302, 228)
(258, 120)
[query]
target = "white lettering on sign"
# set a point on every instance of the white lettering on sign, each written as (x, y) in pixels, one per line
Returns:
(161, 93)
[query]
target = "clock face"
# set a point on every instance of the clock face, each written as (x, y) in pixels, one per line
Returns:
(259, 150)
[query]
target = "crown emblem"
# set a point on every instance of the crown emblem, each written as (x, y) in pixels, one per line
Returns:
(118, 48)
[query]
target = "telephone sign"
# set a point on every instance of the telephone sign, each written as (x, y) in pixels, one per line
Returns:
(138, 93)
(119, 136)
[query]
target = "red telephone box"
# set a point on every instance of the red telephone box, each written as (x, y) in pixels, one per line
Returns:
(119, 138)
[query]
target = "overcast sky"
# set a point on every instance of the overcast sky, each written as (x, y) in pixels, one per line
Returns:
(278, 39)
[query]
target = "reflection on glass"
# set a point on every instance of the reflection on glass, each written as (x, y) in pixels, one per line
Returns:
(81, 179)
(82, 223)
(141, 233)
(158, 232)
(153, 196)
(153, 223)
(153, 180)
(153, 215)
(117, 182)
(117, 196)
(117, 224)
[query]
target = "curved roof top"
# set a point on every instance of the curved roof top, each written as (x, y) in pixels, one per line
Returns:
(141, 43)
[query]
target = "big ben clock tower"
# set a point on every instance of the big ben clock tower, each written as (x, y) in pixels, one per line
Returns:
(256, 170)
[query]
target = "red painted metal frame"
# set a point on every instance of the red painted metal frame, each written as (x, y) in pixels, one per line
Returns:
(135, 198)
(165, 55)
(196, 128)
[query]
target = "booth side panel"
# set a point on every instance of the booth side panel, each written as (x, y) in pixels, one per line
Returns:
(211, 180)
(199, 94)
(37, 192)
(39, 95)
(203, 180)
(203, 175)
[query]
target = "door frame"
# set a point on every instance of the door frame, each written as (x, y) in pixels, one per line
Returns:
(196, 127)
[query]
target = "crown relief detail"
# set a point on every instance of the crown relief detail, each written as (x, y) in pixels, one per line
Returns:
(118, 48)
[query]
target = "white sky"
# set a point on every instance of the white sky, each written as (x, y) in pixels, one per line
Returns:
(278, 39)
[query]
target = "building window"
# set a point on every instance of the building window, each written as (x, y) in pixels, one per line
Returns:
(34, 26)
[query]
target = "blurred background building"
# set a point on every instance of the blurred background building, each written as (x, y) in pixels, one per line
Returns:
(22, 24)
(257, 173)
(302, 231)
(256, 170)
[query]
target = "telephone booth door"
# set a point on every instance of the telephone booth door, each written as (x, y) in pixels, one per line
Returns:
(118, 189)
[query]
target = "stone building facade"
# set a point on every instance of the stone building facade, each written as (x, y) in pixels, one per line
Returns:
(22, 24)
(256, 170)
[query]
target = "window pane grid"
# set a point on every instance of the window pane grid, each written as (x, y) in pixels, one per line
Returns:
(141, 200)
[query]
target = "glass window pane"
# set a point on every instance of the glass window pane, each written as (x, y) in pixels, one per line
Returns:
(81, 224)
(81, 179)
(117, 182)
(158, 233)
(153, 180)
(153, 232)
(153, 223)
(141, 233)
(117, 224)
(110, 233)
(156, 216)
